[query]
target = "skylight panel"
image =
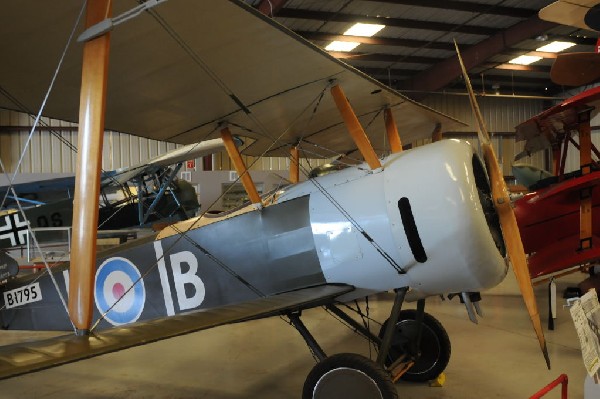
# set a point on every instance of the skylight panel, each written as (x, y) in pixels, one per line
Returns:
(525, 59)
(366, 30)
(341, 46)
(359, 29)
(555, 47)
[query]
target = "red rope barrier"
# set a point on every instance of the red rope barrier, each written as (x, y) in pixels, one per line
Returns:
(562, 379)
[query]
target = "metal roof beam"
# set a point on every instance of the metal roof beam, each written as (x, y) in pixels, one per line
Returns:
(382, 41)
(516, 67)
(397, 22)
(465, 6)
(387, 73)
(446, 71)
(384, 57)
(582, 40)
(271, 7)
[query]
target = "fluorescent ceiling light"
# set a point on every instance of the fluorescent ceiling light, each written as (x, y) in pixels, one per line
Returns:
(367, 30)
(525, 60)
(341, 46)
(555, 47)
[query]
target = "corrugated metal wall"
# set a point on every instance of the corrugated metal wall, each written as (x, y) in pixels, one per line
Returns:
(50, 152)
(51, 148)
(501, 115)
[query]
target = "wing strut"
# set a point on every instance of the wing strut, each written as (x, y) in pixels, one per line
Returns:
(556, 159)
(436, 135)
(89, 161)
(167, 180)
(392, 131)
(294, 165)
(585, 164)
(354, 128)
(239, 165)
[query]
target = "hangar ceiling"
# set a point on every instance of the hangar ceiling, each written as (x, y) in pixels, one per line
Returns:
(415, 52)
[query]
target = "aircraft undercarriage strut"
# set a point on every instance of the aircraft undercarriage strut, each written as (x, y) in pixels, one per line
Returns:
(331, 376)
(412, 345)
(308, 338)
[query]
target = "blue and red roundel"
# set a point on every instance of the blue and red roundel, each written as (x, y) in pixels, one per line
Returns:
(114, 278)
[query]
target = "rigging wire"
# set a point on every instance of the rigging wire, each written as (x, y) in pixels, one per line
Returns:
(183, 234)
(44, 260)
(388, 258)
(35, 123)
(236, 99)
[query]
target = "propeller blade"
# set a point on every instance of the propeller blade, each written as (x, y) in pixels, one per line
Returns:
(508, 221)
(575, 69)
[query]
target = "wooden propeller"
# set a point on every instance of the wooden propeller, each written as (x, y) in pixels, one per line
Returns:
(508, 222)
(576, 69)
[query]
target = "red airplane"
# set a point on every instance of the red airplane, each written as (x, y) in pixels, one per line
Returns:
(559, 219)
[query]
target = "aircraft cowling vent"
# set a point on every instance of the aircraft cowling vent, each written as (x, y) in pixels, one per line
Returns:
(410, 228)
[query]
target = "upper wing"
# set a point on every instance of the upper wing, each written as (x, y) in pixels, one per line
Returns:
(190, 151)
(177, 71)
(572, 12)
(25, 358)
(548, 128)
(39, 191)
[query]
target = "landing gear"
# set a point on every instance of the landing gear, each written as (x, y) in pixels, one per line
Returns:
(411, 344)
(433, 353)
(345, 375)
(348, 376)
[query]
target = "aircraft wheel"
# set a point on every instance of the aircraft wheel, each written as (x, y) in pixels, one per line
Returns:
(435, 346)
(348, 376)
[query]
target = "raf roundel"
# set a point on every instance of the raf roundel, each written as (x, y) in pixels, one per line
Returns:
(114, 278)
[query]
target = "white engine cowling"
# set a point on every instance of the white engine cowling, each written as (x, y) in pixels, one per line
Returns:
(442, 243)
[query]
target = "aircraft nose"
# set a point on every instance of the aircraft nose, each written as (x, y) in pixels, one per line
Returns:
(487, 204)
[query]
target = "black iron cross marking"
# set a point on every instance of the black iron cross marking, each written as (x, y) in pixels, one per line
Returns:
(13, 229)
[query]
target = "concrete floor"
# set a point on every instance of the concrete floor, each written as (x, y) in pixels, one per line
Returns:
(267, 359)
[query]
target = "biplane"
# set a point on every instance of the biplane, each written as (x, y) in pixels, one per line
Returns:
(429, 221)
(134, 196)
(580, 68)
(559, 219)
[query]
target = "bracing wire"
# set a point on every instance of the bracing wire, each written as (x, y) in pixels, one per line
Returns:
(183, 234)
(35, 123)
(236, 99)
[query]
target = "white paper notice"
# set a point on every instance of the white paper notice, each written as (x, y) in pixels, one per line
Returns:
(586, 316)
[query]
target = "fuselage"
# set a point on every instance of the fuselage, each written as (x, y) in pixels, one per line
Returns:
(549, 222)
(417, 222)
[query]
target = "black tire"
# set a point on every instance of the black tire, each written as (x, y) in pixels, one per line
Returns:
(434, 349)
(348, 376)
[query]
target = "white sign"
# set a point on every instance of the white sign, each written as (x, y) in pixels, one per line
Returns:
(586, 316)
(22, 295)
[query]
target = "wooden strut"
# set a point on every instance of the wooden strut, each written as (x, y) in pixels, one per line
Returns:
(563, 159)
(437, 134)
(585, 162)
(89, 162)
(294, 165)
(392, 131)
(240, 167)
(354, 128)
(556, 159)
